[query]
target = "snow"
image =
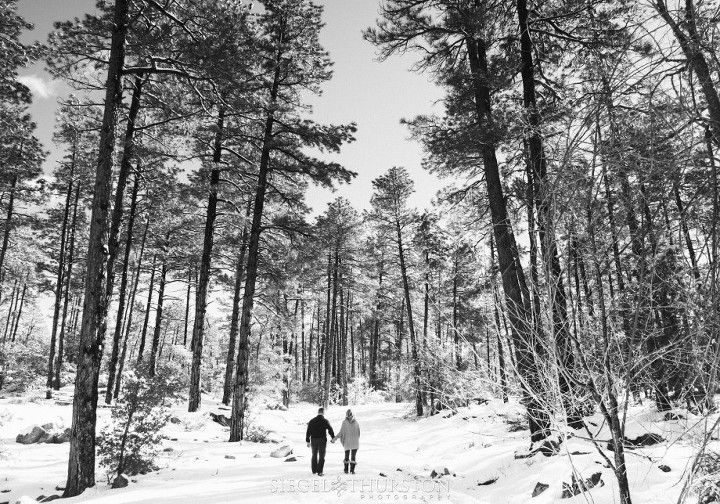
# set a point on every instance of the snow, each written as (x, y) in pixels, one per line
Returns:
(475, 445)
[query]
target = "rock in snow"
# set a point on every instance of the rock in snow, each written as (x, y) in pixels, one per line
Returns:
(58, 437)
(282, 452)
(440, 472)
(120, 482)
(221, 419)
(32, 434)
(539, 488)
(577, 487)
(37, 434)
(49, 498)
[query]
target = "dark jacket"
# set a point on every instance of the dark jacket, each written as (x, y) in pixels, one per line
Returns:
(316, 428)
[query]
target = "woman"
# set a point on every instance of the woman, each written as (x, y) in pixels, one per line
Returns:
(349, 436)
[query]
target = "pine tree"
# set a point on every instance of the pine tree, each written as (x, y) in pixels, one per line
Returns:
(295, 61)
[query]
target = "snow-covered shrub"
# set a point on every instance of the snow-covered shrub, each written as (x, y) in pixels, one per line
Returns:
(310, 392)
(257, 434)
(335, 394)
(360, 392)
(194, 421)
(24, 366)
(212, 372)
(252, 425)
(707, 484)
(448, 387)
(176, 360)
(131, 441)
(266, 380)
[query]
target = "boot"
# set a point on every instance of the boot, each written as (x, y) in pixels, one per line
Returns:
(345, 463)
(352, 467)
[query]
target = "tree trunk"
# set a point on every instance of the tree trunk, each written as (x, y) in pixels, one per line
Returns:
(20, 308)
(8, 223)
(122, 294)
(691, 43)
(234, 318)
(535, 315)
(187, 306)
(686, 233)
(11, 310)
(66, 300)
(352, 337)
(295, 341)
(302, 336)
(81, 466)
(426, 301)
(127, 326)
(60, 275)
(330, 346)
(343, 347)
(411, 325)
(456, 332)
(143, 334)
(527, 347)
(202, 288)
(363, 358)
(496, 304)
(237, 420)
(375, 341)
(117, 213)
(611, 414)
(311, 334)
(158, 318)
(538, 164)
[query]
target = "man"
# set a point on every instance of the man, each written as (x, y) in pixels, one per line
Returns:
(316, 439)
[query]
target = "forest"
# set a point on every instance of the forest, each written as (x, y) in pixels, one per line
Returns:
(568, 263)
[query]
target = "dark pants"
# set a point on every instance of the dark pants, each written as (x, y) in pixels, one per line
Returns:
(317, 462)
(350, 457)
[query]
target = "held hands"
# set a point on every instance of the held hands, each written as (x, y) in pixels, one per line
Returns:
(332, 440)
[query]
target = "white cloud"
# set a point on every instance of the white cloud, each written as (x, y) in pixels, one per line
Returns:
(40, 87)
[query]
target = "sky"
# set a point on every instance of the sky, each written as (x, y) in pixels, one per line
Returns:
(375, 95)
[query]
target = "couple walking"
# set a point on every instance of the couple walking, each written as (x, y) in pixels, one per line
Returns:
(349, 437)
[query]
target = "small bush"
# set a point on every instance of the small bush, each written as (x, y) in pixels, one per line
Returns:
(176, 360)
(360, 392)
(132, 440)
(257, 434)
(194, 421)
(311, 393)
(707, 485)
(24, 366)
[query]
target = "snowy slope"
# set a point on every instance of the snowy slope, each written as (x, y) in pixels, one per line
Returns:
(475, 445)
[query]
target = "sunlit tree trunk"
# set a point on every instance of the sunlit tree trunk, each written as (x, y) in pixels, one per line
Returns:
(122, 294)
(81, 465)
(204, 280)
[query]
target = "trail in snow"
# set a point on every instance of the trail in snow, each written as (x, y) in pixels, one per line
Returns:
(396, 458)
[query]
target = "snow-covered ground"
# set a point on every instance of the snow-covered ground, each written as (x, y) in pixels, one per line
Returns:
(396, 458)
